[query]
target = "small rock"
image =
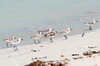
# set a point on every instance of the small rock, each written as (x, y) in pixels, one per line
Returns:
(34, 50)
(75, 54)
(62, 55)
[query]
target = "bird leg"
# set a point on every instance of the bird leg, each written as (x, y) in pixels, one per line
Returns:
(65, 37)
(83, 34)
(11, 45)
(51, 40)
(35, 41)
(90, 28)
(7, 44)
(15, 47)
(38, 41)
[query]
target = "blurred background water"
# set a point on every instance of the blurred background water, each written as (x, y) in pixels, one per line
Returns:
(22, 18)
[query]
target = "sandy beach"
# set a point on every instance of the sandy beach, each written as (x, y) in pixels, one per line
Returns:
(52, 51)
(21, 21)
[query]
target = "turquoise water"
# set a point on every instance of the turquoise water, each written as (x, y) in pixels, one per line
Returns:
(25, 17)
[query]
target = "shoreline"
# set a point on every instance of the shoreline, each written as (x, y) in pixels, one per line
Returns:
(74, 44)
(43, 40)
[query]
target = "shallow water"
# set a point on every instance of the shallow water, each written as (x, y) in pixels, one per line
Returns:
(24, 17)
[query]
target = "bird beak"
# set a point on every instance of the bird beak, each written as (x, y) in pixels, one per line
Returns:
(22, 39)
(96, 21)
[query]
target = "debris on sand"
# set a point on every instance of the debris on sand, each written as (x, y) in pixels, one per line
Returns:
(39, 58)
(35, 50)
(49, 63)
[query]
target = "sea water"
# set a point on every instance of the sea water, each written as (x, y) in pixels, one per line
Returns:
(22, 18)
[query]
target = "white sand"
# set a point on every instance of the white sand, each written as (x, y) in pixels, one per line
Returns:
(74, 44)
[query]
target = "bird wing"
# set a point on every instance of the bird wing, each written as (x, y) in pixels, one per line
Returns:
(36, 35)
(64, 31)
(51, 34)
(89, 23)
(10, 38)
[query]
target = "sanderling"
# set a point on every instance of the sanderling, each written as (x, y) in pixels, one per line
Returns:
(46, 30)
(66, 31)
(15, 42)
(8, 40)
(51, 34)
(37, 36)
(91, 23)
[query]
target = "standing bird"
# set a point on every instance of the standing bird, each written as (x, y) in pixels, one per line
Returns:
(15, 42)
(46, 30)
(51, 34)
(65, 32)
(91, 24)
(37, 36)
(8, 40)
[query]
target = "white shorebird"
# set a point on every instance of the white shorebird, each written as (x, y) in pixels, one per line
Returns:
(37, 36)
(15, 42)
(46, 30)
(91, 24)
(65, 32)
(51, 34)
(8, 40)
